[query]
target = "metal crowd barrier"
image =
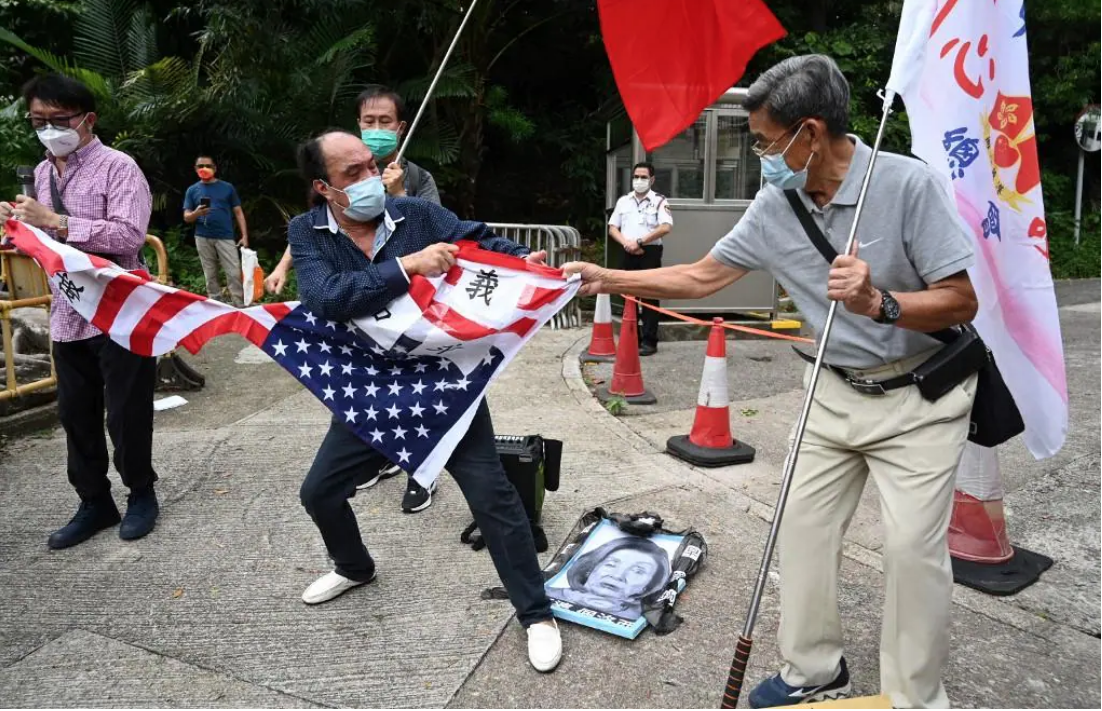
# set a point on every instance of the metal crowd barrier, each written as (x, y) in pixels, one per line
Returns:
(562, 243)
(26, 282)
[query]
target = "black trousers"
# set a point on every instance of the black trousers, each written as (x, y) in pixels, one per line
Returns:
(651, 258)
(94, 375)
(475, 466)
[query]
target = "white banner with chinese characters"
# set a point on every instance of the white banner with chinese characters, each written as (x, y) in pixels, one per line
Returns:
(962, 69)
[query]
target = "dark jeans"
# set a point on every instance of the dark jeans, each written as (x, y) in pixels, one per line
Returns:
(477, 469)
(97, 374)
(651, 258)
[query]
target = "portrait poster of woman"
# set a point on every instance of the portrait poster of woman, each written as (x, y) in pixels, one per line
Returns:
(611, 577)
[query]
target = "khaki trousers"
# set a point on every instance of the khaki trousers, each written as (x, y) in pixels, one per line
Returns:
(911, 447)
(224, 251)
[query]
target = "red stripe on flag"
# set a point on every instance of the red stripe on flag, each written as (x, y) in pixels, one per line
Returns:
(114, 296)
(234, 322)
(454, 275)
(462, 328)
(29, 243)
(422, 292)
(141, 340)
(459, 326)
(521, 327)
(470, 251)
(278, 311)
(100, 262)
(534, 298)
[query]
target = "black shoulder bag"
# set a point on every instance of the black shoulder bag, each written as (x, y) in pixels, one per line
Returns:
(995, 416)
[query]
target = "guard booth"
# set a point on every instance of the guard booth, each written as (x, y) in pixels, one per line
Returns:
(710, 175)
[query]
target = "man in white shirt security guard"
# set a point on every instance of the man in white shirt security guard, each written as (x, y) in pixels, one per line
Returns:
(638, 222)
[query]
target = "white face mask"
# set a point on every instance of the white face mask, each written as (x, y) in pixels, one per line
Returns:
(640, 185)
(60, 141)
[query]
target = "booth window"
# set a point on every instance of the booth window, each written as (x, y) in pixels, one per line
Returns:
(620, 148)
(738, 170)
(679, 165)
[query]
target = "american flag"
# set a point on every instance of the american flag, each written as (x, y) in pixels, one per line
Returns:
(406, 380)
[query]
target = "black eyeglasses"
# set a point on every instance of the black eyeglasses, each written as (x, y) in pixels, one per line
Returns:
(204, 165)
(60, 122)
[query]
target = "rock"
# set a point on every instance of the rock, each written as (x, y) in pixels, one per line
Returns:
(31, 355)
(30, 330)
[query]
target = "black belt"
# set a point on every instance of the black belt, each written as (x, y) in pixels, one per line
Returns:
(863, 385)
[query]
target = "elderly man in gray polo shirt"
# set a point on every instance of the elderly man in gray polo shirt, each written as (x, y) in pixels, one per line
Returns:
(906, 279)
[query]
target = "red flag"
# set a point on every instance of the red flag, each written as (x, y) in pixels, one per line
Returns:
(673, 58)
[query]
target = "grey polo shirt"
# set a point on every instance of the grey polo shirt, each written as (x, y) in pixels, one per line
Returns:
(419, 183)
(910, 237)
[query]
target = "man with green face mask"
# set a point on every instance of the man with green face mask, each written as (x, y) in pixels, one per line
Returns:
(382, 125)
(381, 117)
(381, 114)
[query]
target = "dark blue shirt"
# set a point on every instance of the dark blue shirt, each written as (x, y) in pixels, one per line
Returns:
(338, 282)
(218, 223)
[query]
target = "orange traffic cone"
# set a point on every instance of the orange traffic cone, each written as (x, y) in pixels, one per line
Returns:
(979, 545)
(602, 344)
(627, 373)
(710, 443)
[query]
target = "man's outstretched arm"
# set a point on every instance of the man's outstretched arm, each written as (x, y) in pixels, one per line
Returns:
(681, 281)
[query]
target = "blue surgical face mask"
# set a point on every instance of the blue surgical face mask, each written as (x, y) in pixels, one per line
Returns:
(366, 199)
(382, 142)
(775, 170)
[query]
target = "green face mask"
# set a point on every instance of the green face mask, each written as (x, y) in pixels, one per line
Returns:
(381, 141)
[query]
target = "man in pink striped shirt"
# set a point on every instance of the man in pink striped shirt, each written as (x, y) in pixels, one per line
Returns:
(95, 199)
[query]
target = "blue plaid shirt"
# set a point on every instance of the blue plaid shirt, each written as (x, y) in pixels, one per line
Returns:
(338, 282)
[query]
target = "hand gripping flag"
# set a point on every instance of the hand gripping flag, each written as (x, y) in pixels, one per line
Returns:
(672, 58)
(406, 380)
(962, 68)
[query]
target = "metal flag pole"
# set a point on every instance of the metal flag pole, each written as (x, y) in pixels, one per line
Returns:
(745, 641)
(432, 86)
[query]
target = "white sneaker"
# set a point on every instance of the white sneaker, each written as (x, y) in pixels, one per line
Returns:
(544, 646)
(385, 472)
(329, 586)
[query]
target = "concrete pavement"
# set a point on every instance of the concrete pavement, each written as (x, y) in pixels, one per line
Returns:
(206, 611)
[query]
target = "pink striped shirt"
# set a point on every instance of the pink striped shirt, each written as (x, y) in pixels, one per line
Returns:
(108, 201)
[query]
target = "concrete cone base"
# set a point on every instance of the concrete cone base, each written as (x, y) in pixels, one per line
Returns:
(647, 398)
(1001, 579)
(587, 358)
(686, 451)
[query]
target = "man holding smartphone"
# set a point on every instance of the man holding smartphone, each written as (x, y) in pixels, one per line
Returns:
(209, 204)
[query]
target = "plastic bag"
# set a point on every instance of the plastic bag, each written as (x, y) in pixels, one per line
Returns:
(252, 276)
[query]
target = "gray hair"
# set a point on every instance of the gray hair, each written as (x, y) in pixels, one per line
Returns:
(809, 86)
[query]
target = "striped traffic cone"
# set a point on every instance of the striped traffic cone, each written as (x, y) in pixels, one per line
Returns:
(627, 373)
(602, 344)
(710, 443)
(982, 555)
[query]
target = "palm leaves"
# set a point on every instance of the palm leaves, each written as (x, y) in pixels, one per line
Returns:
(95, 82)
(112, 37)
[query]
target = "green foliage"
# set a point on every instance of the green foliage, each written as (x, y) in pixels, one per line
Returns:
(515, 131)
(184, 270)
(20, 146)
(616, 405)
(1071, 261)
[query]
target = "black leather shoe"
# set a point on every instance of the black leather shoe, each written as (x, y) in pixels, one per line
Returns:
(647, 349)
(91, 518)
(141, 515)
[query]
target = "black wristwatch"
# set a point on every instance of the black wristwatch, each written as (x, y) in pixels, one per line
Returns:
(640, 243)
(889, 308)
